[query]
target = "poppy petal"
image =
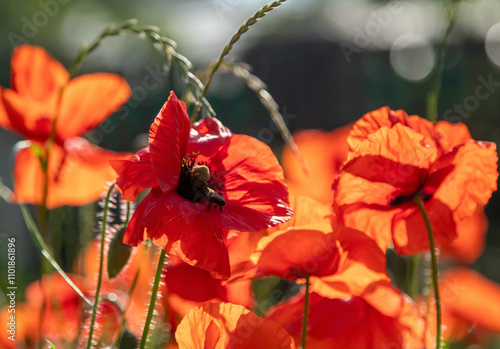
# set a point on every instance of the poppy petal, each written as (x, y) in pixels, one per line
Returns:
(362, 266)
(255, 190)
(298, 253)
(399, 144)
(168, 139)
(174, 224)
(207, 136)
(30, 118)
(88, 100)
(77, 173)
(306, 211)
(241, 246)
(225, 325)
(5, 122)
(472, 180)
(450, 135)
(135, 174)
(350, 323)
(36, 74)
(409, 229)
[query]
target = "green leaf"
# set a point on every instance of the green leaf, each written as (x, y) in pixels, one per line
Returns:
(52, 346)
(118, 254)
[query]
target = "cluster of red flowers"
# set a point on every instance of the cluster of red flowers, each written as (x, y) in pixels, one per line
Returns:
(219, 205)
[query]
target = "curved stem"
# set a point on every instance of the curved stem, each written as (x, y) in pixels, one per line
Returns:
(229, 46)
(306, 311)
(152, 303)
(434, 274)
(101, 259)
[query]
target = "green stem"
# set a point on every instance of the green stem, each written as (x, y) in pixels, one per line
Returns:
(152, 303)
(306, 311)
(234, 39)
(434, 274)
(45, 251)
(432, 98)
(101, 259)
(414, 275)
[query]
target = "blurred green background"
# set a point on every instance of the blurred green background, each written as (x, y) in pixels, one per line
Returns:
(325, 62)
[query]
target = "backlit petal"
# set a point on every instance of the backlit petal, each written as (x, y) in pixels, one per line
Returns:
(175, 224)
(135, 174)
(36, 74)
(207, 136)
(362, 266)
(168, 139)
(30, 118)
(225, 325)
(88, 100)
(473, 179)
(78, 174)
(298, 252)
(255, 190)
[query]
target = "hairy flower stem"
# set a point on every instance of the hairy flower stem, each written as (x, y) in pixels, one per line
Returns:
(432, 98)
(229, 46)
(152, 303)
(306, 311)
(101, 259)
(434, 274)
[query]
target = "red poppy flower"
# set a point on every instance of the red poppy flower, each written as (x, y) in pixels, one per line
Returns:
(226, 325)
(384, 318)
(323, 153)
(201, 183)
(77, 170)
(389, 165)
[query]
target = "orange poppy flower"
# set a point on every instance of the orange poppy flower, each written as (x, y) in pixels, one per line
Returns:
(384, 318)
(323, 153)
(389, 165)
(340, 261)
(77, 170)
(226, 325)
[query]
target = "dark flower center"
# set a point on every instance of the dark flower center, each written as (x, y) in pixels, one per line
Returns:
(399, 200)
(198, 183)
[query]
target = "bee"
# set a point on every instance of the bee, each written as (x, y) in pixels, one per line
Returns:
(209, 195)
(200, 175)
